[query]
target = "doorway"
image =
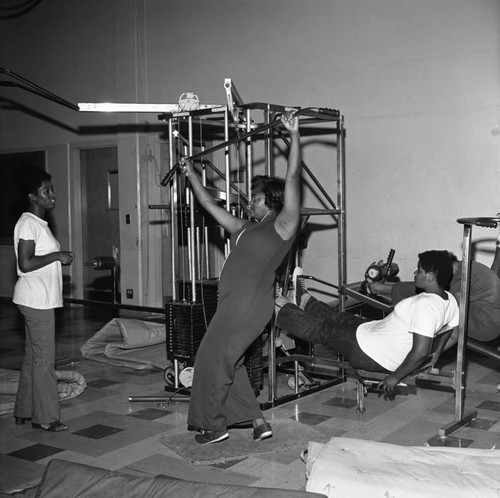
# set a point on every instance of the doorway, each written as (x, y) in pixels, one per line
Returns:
(100, 223)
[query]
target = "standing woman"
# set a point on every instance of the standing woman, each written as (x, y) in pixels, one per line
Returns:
(37, 292)
(221, 394)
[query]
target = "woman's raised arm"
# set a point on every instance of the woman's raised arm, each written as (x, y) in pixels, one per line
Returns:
(288, 220)
(227, 221)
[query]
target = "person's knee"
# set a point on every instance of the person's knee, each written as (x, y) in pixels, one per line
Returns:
(324, 350)
(484, 334)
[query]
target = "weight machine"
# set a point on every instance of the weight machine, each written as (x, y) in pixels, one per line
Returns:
(182, 342)
(238, 130)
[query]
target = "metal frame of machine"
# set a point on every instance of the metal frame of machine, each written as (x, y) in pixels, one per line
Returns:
(238, 122)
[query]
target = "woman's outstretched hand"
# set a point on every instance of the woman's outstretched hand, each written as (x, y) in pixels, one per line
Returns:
(290, 122)
(186, 167)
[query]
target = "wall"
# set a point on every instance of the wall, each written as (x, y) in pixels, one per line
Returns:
(418, 83)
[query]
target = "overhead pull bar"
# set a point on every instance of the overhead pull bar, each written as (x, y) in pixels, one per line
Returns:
(168, 177)
(34, 88)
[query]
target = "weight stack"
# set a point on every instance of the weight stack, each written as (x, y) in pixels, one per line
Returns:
(188, 321)
(186, 327)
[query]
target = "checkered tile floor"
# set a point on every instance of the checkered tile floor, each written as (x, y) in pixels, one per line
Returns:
(106, 430)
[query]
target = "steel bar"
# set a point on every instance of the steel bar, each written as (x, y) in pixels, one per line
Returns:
(249, 134)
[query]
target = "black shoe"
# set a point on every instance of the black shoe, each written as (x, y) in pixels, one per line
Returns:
(299, 285)
(209, 437)
(263, 431)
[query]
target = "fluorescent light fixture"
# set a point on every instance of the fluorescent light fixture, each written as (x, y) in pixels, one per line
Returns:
(124, 107)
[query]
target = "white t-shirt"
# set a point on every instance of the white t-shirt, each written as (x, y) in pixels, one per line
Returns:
(42, 288)
(389, 341)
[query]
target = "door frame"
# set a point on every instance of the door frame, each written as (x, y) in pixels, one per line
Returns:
(77, 208)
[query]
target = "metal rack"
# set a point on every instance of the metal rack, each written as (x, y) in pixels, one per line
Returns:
(243, 116)
(248, 130)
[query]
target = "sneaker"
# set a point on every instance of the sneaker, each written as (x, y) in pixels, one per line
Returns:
(299, 285)
(263, 431)
(209, 437)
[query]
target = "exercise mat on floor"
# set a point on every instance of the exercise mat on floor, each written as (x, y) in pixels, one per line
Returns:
(70, 384)
(287, 435)
(129, 343)
(359, 468)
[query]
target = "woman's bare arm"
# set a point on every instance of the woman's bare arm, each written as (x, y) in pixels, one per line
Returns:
(288, 220)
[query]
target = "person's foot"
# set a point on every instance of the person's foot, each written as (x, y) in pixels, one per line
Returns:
(53, 427)
(209, 437)
(300, 294)
(262, 431)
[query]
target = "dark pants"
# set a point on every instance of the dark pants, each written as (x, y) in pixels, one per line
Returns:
(321, 324)
(37, 396)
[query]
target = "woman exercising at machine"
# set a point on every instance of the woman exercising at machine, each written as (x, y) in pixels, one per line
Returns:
(221, 394)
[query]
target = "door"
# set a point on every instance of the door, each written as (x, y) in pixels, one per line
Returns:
(100, 223)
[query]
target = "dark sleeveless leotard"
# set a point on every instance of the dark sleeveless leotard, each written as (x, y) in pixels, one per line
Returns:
(221, 394)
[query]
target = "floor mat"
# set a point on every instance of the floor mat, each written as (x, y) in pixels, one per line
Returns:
(130, 343)
(287, 435)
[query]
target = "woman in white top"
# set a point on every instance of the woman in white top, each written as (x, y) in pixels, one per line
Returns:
(37, 292)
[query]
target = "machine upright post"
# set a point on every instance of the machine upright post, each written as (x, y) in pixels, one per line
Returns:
(342, 265)
(462, 328)
(459, 375)
(227, 171)
(173, 212)
(249, 154)
(268, 144)
(192, 228)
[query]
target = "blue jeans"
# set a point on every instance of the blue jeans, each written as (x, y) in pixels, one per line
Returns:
(321, 324)
(37, 396)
